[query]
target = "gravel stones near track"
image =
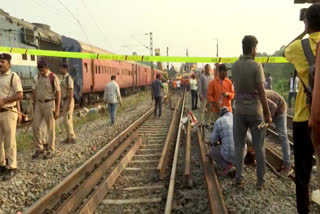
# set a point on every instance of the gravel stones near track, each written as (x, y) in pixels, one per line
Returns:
(36, 177)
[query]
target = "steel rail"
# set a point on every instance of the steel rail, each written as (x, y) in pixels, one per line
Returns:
(215, 196)
(163, 162)
(170, 195)
(61, 192)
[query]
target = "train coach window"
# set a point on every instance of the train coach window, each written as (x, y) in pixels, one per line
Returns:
(24, 57)
(33, 58)
(85, 67)
(96, 69)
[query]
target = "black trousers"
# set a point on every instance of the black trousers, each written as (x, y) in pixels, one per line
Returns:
(303, 152)
(158, 104)
(194, 96)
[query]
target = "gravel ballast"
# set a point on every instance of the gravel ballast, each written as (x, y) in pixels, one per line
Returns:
(36, 177)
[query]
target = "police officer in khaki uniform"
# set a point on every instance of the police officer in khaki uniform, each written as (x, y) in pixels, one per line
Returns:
(68, 103)
(46, 99)
(11, 92)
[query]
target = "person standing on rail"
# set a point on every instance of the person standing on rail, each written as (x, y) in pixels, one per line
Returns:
(112, 96)
(220, 92)
(194, 94)
(165, 91)
(303, 149)
(46, 100)
(203, 91)
(156, 95)
(278, 110)
(178, 82)
(251, 109)
(11, 92)
(68, 103)
(293, 88)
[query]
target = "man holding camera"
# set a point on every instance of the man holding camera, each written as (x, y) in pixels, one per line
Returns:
(303, 149)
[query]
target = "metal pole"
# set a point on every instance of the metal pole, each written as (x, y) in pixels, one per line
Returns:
(168, 62)
(187, 64)
(217, 47)
(151, 48)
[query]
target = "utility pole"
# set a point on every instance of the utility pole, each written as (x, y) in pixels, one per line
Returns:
(151, 46)
(168, 62)
(187, 64)
(217, 47)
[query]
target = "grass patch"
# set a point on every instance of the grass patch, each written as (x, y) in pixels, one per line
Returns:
(25, 141)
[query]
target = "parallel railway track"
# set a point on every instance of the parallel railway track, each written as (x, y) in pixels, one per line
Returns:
(135, 163)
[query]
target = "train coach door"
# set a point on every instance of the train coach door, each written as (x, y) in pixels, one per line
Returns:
(92, 75)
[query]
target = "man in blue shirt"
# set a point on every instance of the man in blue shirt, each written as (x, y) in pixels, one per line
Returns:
(222, 150)
(156, 94)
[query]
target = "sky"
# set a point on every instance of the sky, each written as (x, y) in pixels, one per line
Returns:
(120, 25)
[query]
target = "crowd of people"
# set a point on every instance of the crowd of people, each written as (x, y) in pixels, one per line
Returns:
(241, 110)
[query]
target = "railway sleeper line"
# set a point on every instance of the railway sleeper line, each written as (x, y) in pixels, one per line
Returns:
(84, 189)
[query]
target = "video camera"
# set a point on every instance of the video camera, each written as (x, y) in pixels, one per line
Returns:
(303, 10)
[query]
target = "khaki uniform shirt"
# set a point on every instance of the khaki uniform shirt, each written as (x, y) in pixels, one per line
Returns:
(246, 73)
(43, 87)
(5, 85)
(65, 86)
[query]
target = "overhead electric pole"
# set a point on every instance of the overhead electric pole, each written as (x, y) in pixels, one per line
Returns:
(151, 46)
(217, 47)
(168, 62)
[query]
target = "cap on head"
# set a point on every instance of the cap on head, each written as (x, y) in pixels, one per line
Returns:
(64, 65)
(222, 67)
(42, 64)
(5, 56)
(223, 110)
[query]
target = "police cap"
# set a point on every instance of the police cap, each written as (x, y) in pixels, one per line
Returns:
(5, 56)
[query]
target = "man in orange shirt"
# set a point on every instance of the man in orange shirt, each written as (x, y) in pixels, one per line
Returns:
(220, 92)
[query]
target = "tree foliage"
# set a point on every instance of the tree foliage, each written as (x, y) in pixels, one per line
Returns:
(280, 72)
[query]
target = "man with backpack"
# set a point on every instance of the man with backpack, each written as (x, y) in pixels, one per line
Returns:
(301, 54)
(46, 100)
(68, 103)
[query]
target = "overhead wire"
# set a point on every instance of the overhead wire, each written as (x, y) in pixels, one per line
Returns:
(78, 21)
(97, 25)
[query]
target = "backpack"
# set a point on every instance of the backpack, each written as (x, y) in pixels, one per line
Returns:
(308, 89)
(67, 80)
(51, 78)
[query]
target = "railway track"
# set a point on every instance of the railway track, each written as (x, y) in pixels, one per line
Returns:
(131, 171)
(274, 152)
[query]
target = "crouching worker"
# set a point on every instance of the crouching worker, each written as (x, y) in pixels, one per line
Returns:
(222, 151)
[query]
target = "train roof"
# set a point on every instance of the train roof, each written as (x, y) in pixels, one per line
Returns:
(42, 31)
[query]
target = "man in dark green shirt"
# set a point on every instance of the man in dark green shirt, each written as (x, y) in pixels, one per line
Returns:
(251, 108)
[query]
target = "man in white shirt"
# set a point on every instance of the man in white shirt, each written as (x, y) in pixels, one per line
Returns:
(179, 86)
(194, 94)
(112, 96)
(293, 86)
